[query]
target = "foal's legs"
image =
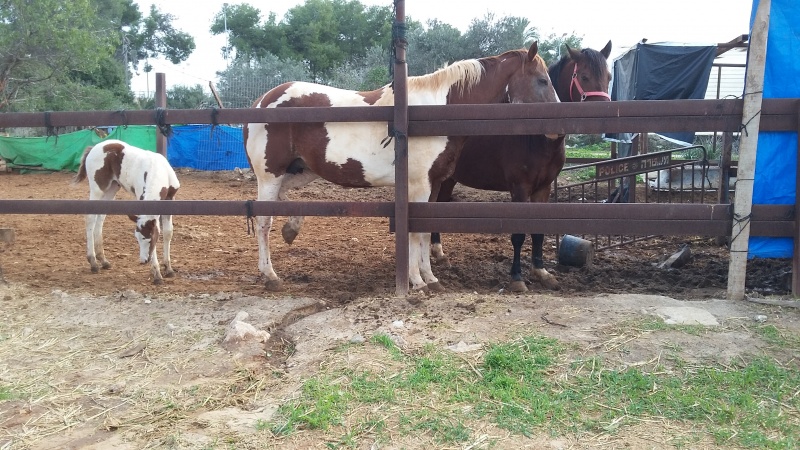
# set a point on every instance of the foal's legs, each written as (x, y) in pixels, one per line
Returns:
(166, 232)
(94, 228)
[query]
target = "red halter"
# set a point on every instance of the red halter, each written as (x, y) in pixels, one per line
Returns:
(577, 84)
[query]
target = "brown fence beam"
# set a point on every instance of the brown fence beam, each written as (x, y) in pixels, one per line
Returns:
(649, 115)
(198, 208)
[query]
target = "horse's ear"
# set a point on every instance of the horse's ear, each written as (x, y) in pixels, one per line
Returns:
(574, 54)
(133, 218)
(533, 50)
(606, 51)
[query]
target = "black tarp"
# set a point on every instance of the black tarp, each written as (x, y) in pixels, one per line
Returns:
(662, 71)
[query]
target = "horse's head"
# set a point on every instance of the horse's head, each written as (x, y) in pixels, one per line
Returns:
(584, 75)
(531, 83)
(146, 232)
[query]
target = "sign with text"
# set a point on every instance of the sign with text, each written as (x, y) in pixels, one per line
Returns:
(632, 165)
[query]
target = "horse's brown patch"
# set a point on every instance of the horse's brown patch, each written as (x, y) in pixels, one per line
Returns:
(445, 163)
(112, 165)
(271, 96)
(372, 97)
(293, 136)
(149, 231)
(168, 192)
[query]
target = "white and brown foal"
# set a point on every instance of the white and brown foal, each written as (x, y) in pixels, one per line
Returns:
(111, 165)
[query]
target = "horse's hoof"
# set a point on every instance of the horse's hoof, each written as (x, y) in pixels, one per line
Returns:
(289, 233)
(518, 286)
(274, 285)
(435, 287)
(424, 289)
(158, 281)
(549, 282)
(106, 265)
(441, 260)
(95, 269)
(169, 274)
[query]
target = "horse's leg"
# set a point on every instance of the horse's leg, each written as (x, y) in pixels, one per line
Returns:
(292, 228)
(517, 283)
(166, 232)
(519, 193)
(267, 191)
(155, 267)
(91, 254)
(445, 195)
(94, 229)
(538, 272)
(294, 224)
(419, 254)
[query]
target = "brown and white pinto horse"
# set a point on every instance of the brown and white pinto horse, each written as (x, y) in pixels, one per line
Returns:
(111, 165)
(526, 166)
(290, 155)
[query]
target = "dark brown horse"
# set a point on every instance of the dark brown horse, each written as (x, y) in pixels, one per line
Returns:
(526, 166)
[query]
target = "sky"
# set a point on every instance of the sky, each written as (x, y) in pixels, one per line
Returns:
(624, 22)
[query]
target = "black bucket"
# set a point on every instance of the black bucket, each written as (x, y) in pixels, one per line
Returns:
(574, 251)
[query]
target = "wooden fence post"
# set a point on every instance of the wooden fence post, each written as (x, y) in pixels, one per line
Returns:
(400, 130)
(161, 102)
(751, 118)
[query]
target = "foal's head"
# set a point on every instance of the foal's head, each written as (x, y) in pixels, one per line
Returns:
(146, 232)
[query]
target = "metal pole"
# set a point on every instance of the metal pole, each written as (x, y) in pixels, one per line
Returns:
(401, 149)
(751, 118)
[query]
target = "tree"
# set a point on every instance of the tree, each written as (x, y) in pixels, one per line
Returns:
(243, 82)
(51, 51)
(323, 34)
(487, 36)
(155, 36)
(433, 47)
(247, 38)
(38, 47)
(329, 33)
(552, 47)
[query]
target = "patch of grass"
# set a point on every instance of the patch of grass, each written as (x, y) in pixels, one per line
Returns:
(526, 386)
(385, 341)
(5, 393)
(773, 336)
(599, 150)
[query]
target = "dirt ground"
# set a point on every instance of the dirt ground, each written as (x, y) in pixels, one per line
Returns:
(65, 333)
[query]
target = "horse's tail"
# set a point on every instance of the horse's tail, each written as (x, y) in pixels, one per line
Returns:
(81, 175)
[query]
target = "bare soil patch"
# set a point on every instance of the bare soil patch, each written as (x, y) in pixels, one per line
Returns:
(111, 361)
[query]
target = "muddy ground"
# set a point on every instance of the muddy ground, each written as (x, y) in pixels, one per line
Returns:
(65, 333)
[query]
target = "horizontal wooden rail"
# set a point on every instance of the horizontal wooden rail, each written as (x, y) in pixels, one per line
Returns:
(463, 217)
(594, 117)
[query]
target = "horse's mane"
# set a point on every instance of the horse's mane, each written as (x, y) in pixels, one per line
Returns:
(461, 74)
(597, 62)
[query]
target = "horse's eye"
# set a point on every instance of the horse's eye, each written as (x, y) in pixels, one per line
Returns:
(584, 78)
(544, 81)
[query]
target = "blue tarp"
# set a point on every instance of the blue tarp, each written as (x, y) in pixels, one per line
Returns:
(203, 148)
(776, 160)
